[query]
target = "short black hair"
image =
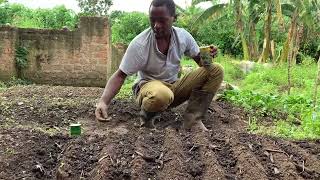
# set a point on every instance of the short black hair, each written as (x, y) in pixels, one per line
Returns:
(168, 3)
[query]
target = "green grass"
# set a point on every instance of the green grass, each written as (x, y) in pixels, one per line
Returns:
(264, 92)
(126, 89)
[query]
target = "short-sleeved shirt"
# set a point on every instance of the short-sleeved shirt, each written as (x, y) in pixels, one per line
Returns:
(144, 58)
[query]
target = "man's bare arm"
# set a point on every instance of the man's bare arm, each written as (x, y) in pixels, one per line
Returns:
(113, 86)
(110, 91)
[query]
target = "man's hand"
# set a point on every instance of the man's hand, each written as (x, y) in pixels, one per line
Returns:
(102, 111)
(213, 51)
(206, 55)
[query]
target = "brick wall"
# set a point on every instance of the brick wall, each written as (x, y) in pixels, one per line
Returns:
(82, 57)
(7, 52)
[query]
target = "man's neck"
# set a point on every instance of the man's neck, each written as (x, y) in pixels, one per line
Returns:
(163, 44)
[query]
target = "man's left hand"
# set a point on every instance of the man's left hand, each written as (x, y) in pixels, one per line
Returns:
(213, 51)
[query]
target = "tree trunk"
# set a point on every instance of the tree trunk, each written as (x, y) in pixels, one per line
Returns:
(279, 15)
(267, 34)
(291, 48)
(285, 49)
(292, 43)
(239, 23)
(244, 47)
(297, 44)
(253, 44)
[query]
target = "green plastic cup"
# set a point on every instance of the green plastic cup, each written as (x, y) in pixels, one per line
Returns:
(75, 129)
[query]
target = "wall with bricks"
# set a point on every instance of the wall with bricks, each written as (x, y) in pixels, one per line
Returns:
(82, 57)
(7, 52)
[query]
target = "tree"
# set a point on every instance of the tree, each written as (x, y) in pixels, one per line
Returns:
(95, 7)
(128, 26)
(303, 18)
(240, 28)
(266, 51)
(254, 9)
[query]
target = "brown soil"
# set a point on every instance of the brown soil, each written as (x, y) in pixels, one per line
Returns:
(35, 144)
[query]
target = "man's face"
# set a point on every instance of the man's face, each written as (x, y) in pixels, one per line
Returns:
(160, 21)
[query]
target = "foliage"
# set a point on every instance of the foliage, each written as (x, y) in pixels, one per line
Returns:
(217, 32)
(126, 90)
(263, 94)
(13, 82)
(2, 85)
(115, 16)
(297, 109)
(127, 26)
(21, 16)
(95, 8)
(21, 57)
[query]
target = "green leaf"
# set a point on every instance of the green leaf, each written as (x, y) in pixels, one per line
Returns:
(213, 13)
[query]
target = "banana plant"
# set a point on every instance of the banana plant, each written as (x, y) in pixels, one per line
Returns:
(218, 10)
(266, 51)
(303, 15)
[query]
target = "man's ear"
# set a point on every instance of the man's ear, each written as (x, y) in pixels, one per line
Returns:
(175, 18)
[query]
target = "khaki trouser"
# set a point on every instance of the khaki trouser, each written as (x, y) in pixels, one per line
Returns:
(155, 96)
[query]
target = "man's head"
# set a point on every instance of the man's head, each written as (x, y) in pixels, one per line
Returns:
(162, 14)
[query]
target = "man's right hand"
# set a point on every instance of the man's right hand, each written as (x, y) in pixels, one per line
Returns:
(102, 111)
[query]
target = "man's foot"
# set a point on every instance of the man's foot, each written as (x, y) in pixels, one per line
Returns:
(201, 126)
(147, 123)
(147, 119)
(197, 125)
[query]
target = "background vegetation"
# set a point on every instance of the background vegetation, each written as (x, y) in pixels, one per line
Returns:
(281, 38)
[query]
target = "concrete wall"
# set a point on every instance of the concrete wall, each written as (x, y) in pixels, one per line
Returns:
(82, 57)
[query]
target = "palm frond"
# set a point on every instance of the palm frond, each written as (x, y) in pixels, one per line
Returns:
(287, 9)
(213, 13)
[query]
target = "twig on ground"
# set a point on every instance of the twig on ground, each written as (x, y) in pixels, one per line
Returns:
(145, 157)
(278, 151)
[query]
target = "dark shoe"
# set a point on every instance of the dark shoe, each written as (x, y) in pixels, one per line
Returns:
(147, 119)
(196, 110)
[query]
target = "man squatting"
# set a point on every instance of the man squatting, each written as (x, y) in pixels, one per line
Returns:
(155, 56)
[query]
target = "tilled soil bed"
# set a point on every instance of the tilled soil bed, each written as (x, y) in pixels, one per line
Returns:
(35, 142)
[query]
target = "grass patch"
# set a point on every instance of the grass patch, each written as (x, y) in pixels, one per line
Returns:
(13, 82)
(126, 89)
(264, 93)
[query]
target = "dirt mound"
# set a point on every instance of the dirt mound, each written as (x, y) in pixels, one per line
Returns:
(34, 142)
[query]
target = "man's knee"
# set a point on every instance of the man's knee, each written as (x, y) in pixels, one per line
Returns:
(216, 71)
(158, 99)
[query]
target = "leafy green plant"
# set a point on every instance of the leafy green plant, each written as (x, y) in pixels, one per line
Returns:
(21, 57)
(2, 85)
(17, 81)
(126, 89)
(127, 26)
(252, 124)
(95, 8)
